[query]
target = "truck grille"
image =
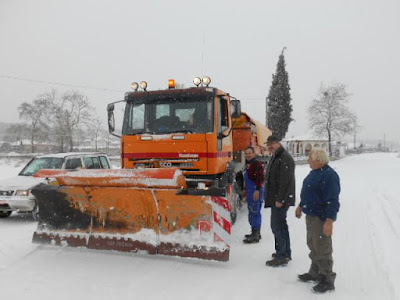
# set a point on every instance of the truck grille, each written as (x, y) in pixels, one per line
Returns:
(6, 193)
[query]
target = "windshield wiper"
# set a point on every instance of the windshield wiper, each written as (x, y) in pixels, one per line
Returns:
(142, 132)
(181, 131)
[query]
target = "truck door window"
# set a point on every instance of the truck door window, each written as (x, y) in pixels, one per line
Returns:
(135, 118)
(223, 107)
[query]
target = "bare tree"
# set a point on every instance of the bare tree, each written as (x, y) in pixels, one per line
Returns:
(356, 128)
(329, 113)
(94, 126)
(65, 115)
(34, 113)
(72, 111)
(16, 132)
(52, 116)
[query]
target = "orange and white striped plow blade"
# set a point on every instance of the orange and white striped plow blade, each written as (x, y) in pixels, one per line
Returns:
(133, 210)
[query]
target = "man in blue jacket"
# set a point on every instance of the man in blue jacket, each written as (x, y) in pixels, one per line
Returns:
(320, 202)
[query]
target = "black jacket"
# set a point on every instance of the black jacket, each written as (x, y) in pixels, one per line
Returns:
(280, 180)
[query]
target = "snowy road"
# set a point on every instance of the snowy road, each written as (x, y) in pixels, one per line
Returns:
(366, 245)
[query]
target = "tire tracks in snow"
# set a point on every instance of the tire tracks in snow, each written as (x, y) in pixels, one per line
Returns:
(379, 255)
(21, 259)
(388, 212)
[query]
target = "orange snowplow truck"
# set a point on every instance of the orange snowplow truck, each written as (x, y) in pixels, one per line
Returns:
(181, 151)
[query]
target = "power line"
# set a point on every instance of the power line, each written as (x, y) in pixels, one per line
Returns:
(90, 87)
(60, 83)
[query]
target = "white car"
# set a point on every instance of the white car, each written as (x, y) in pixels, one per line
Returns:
(15, 192)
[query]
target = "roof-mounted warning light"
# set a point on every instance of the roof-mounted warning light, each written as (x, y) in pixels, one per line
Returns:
(171, 84)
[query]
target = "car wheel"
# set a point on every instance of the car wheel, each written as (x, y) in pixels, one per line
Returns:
(5, 214)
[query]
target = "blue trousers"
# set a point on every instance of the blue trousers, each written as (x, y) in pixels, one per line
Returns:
(255, 210)
(280, 230)
(253, 206)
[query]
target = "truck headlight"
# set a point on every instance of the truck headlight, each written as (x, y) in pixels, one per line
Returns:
(22, 193)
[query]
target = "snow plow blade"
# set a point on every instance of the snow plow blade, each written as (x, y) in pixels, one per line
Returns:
(134, 211)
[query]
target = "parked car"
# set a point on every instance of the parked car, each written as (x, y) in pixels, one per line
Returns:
(15, 192)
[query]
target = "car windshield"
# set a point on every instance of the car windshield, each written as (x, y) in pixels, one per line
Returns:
(39, 163)
(169, 115)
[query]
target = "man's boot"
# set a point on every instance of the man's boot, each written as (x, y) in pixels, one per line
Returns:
(254, 237)
(277, 262)
(306, 277)
(252, 232)
(323, 286)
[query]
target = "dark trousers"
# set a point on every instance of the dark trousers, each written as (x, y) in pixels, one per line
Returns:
(280, 230)
(320, 247)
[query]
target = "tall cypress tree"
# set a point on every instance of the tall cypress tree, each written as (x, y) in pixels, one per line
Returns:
(279, 108)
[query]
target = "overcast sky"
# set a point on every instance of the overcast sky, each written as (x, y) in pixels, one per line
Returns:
(109, 44)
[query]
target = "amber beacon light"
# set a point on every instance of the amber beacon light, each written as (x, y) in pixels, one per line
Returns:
(171, 83)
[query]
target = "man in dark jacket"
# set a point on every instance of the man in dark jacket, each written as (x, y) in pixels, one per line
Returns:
(254, 182)
(280, 195)
(320, 202)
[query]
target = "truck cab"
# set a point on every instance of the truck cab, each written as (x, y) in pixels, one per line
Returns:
(190, 129)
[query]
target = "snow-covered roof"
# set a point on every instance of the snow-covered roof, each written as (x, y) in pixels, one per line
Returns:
(63, 155)
(306, 138)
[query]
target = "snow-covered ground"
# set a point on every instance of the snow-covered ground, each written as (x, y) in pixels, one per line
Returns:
(366, 253)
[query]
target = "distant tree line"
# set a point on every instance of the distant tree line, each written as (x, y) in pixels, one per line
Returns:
(57, 119)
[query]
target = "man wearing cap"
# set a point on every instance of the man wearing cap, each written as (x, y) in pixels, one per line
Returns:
(280, 195)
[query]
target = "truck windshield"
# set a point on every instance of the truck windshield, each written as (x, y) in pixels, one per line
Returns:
(39, 163)
(169, 115)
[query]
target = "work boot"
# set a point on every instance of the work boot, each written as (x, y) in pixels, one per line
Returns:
(273, 255)
(306, 277)
(277, 262)
(323, 286)
(252, 232)
(254, 237)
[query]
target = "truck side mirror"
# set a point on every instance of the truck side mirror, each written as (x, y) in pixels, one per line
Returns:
(111, 120)
(236, 109)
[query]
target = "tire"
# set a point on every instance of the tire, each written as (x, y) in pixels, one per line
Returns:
(5, 214)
